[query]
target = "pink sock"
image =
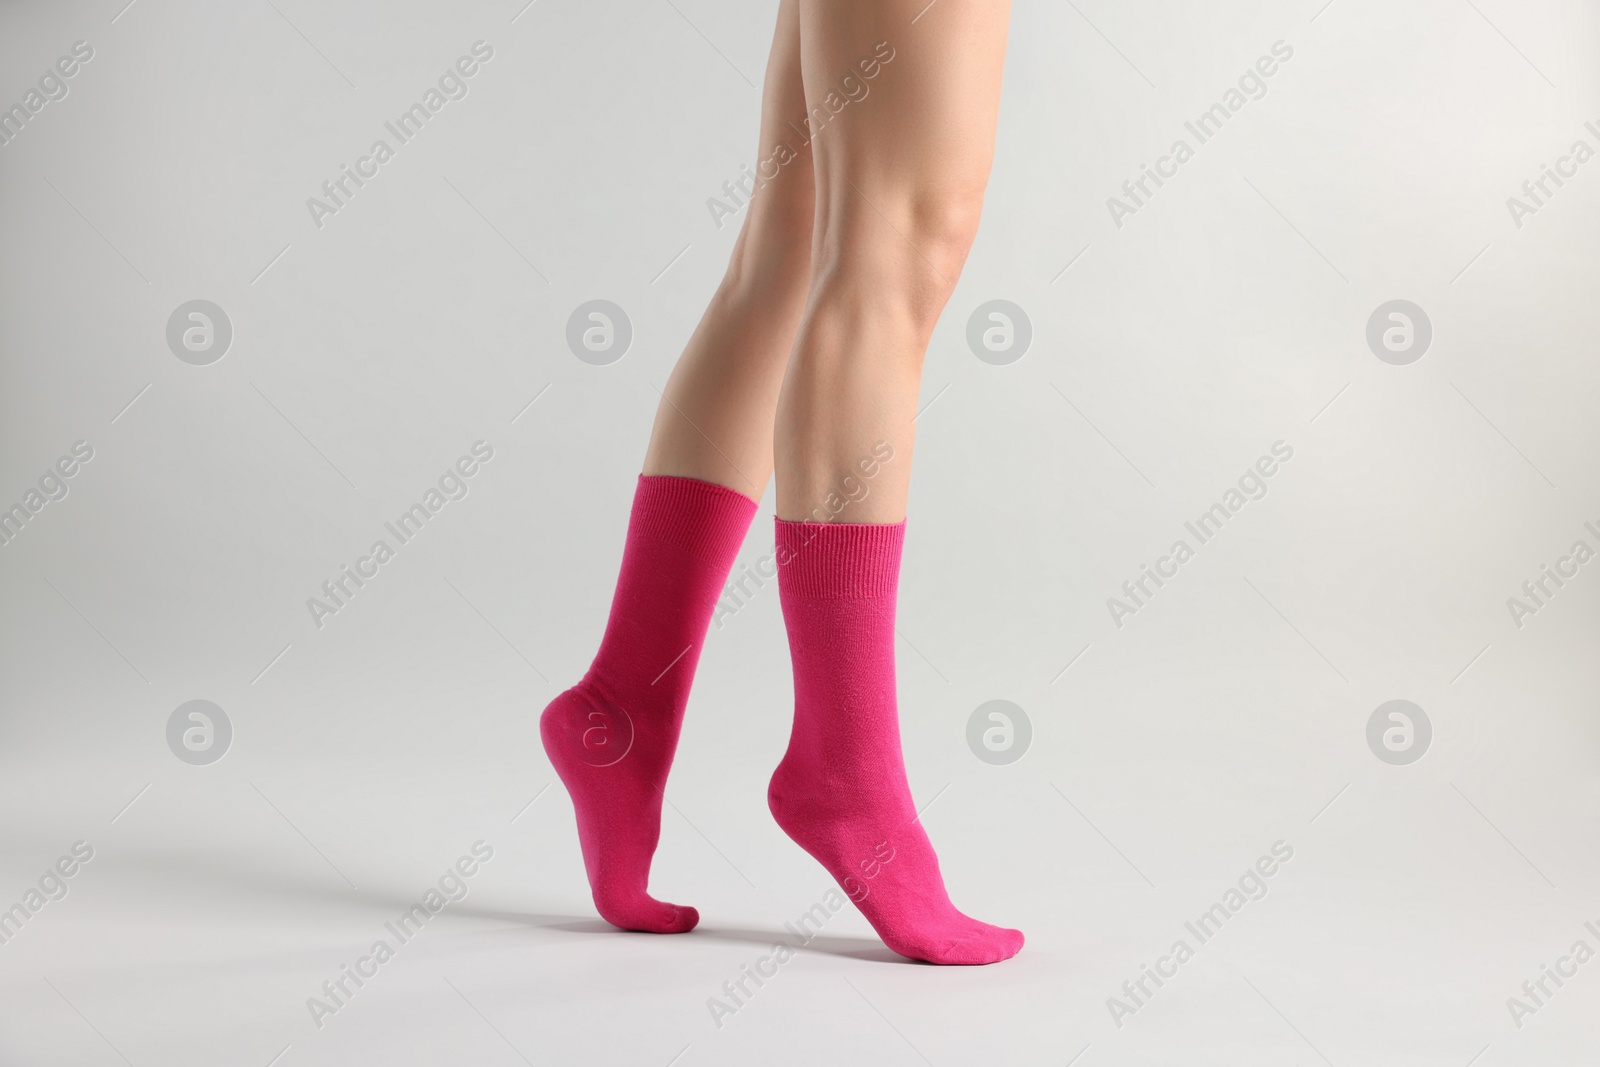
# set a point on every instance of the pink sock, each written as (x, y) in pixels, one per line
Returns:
(840, 791)
(611, 737)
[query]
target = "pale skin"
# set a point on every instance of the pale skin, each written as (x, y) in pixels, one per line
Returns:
(810, 353)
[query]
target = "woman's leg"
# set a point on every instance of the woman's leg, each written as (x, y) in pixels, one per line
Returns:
(900, 178)
(612, 736)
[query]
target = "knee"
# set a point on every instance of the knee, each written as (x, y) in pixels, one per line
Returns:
(774, 245)
(905, 248)
(943, 224)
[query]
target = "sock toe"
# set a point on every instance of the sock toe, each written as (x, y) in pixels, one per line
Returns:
(649, 915)
(989, 946)
(684, 920)
(1009, 942)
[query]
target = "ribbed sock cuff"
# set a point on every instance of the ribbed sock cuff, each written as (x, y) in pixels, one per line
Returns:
(704, 518)
(839, 560)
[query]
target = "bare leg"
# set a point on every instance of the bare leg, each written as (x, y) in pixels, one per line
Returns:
(900, 180)
(715, 419)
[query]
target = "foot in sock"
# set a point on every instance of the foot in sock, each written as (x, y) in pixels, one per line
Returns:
(611, 737)
(840, 791)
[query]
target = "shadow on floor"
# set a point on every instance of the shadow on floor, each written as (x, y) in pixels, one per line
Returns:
(245, 881)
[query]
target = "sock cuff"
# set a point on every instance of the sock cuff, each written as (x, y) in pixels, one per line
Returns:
(839, 560)
(704, 518)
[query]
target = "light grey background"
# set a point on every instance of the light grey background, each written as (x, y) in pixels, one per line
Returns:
(1168, 354)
